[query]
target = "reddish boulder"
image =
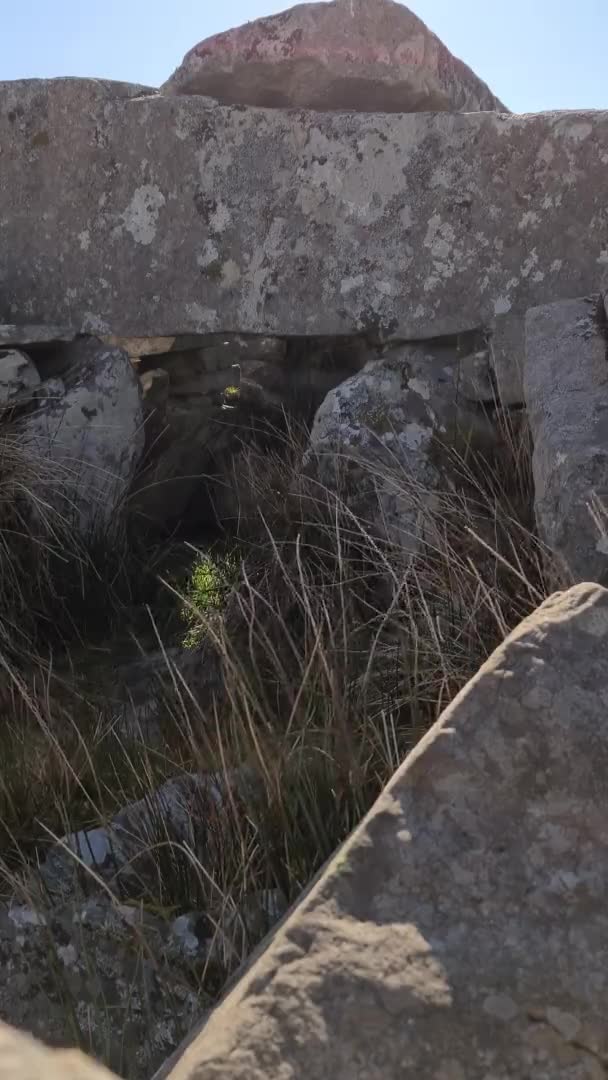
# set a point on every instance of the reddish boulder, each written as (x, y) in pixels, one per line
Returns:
(352, 55)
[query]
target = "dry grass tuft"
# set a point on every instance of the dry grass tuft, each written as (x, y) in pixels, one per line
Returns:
(335, 651)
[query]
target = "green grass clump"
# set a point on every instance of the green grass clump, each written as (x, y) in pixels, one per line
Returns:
(211, 579)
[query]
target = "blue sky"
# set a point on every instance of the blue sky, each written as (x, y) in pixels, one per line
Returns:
(535, 54)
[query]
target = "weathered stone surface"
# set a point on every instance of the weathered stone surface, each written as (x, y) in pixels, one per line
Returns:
(566, 392)
(604, 289)
(357, 55)
(461, 931)
(380, 428)
(22, 1058)
(119, 853)
(93, 434)
(138, 347)
(286, 223)
(100, 973)
(10, 334)
(18, 376)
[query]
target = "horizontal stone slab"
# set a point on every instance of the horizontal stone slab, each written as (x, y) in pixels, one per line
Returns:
(151, 216)
(10, 334)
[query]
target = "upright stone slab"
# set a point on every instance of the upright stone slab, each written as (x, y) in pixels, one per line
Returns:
(462, 932)
(355, 55)
(89, 432)
(376, 436)
(566, 396)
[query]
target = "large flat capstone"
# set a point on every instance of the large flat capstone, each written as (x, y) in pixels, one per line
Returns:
(357, 55)
(461, 932)
(150, 216)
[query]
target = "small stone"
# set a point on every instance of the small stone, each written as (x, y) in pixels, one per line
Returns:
(501, 1006)
(564, 1022)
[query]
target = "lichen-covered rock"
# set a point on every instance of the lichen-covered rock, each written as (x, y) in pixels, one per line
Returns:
(376, 437)
(461, 931)
(18, 376)
(92, 435)
(356, 55)
(566, 394)
(34, 334)
(22, 1058)
(99, 974)
(292, 224)
(121, 853)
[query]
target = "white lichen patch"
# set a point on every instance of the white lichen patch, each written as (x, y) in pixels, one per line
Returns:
(67, 954)
(231, 274)
(529, 264)
(502, 305)
(439, 238)
(386, 288)
(141, 215)
(208, 255)
(416, 435)
(220, 219)
(84, 239)
(529, 218)
(203, 319)
(21, 915)
(420, 387)
(94, 324)
(351, 283)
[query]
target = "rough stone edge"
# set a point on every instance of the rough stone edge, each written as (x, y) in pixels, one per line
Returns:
(556, 608)
(112, 88)
(24, 1058)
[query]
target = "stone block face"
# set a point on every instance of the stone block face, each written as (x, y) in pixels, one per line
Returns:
(566, 394)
